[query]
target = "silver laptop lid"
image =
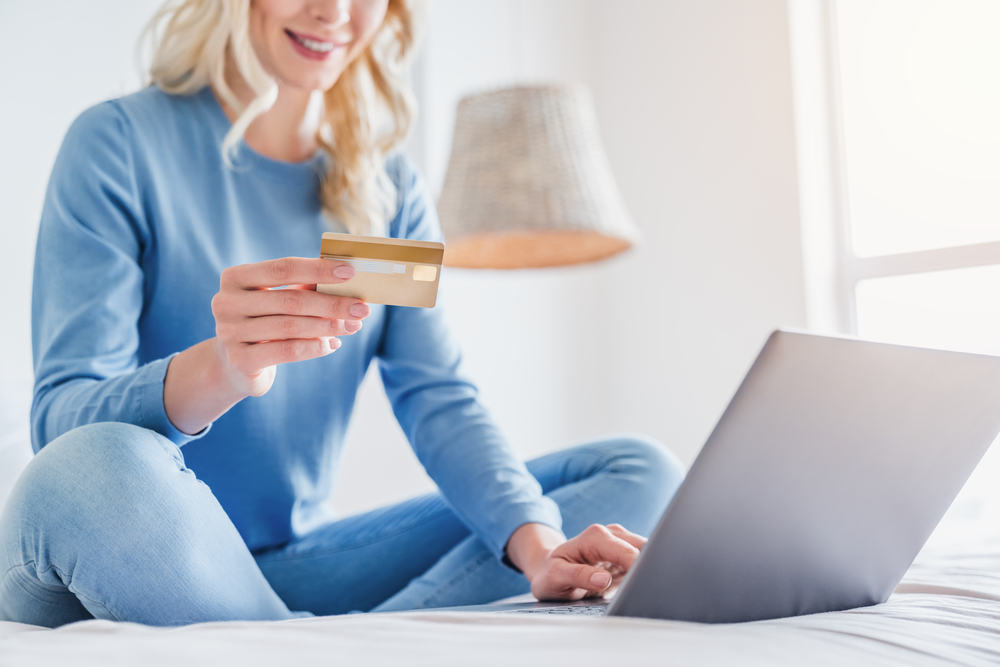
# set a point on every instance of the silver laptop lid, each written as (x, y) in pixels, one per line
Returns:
(826, 474)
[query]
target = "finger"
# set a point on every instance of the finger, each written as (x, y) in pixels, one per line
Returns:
(597, 544)
(287, 271)
(302, 303)
(251, 358)
(619, 531)
(283, 327)
(578, 579)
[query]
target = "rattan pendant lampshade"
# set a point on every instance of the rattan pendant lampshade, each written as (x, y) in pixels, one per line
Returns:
(528, 182)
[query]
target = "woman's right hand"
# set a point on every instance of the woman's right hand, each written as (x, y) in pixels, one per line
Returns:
(258, 327)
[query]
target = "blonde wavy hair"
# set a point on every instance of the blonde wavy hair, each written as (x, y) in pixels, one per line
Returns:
(368, 111)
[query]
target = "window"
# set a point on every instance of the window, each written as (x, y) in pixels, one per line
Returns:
(897, 108)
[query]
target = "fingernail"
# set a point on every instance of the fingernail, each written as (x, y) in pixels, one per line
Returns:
(332, 343)
(600, 580)
(359, 309)
(352, 325)
(344, 271)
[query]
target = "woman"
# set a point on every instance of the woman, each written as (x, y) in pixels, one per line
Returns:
(188, 415)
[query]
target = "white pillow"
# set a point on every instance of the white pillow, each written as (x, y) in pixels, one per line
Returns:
(15, 438)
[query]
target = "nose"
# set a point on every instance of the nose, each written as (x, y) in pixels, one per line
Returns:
(333, 13)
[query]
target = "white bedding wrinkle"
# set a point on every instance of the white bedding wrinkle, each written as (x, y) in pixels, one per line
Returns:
(909, 630)
(974, 568)
(913, 629)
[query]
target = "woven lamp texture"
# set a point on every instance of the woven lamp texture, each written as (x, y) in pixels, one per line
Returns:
(528, 182)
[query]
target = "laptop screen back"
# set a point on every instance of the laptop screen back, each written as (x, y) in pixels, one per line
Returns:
(828, 471)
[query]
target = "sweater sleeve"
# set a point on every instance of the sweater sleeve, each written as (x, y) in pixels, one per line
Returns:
(451, 432)
(88, 289)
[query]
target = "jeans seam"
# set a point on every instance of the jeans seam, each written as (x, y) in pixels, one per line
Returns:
(76, 594)
(27, 591)
(11, 569)
(62, 576)
(27, 563)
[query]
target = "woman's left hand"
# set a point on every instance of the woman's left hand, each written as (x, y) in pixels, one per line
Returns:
(591, 564)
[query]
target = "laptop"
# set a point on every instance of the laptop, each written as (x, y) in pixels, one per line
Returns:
(825, 476)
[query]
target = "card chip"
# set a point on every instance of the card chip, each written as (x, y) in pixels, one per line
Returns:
(425, 273)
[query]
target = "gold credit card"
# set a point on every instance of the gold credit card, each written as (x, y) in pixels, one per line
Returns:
(394, 272)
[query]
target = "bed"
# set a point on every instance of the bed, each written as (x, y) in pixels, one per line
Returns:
(945, 612)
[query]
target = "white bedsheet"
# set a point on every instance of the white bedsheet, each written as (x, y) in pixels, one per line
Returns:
(931, 624)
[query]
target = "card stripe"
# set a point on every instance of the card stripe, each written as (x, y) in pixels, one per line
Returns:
(391, 253)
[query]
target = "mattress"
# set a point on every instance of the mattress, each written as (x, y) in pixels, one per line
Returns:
(945, 612)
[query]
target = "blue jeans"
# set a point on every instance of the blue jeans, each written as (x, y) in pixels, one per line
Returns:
(107, 522)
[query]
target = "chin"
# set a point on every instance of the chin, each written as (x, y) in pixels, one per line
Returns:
(304, 82)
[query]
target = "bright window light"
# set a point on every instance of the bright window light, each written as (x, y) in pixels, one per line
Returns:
(920, 91)
(956, 310)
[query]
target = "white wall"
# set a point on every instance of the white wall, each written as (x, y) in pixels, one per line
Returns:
(86, 54)
(694, 104)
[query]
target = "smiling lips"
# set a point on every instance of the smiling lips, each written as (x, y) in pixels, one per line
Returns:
(312, 48)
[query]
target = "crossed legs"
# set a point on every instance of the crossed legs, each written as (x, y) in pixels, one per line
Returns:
(107, 522)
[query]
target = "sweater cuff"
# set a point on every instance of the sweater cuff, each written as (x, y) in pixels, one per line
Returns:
(152, 412)
(544, 511)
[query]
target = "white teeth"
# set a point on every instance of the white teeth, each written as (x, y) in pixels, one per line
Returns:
(318, 47)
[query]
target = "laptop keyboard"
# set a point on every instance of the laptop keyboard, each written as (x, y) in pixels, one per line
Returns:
(585, 610)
